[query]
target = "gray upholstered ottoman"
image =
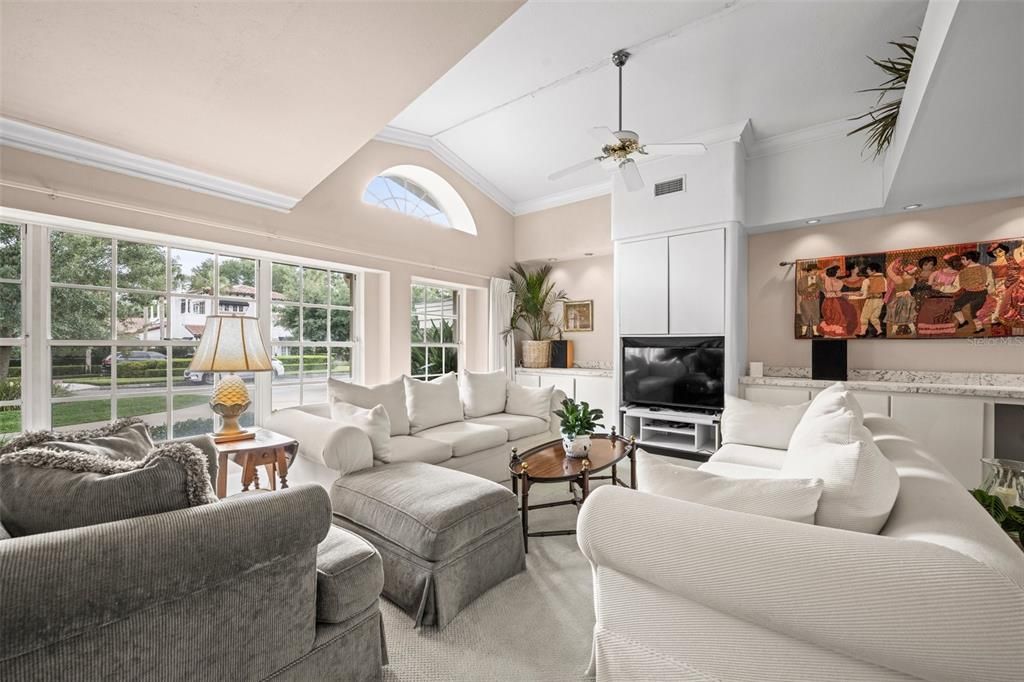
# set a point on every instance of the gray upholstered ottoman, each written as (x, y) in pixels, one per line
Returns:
(446, 537)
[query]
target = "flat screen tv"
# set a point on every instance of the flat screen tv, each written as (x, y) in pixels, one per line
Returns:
(680, 371)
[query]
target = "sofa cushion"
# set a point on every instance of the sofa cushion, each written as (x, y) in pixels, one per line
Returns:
(416, 449)
(831, 443)
(780, 498)
(750, 455)
(762, 424)
(465, 438)
(43, 490)
(432, 403)
(528, 401)
(391, 395)
(516, 425)
(427, 510)
(349, 576)
(373, 422)
(483, 393)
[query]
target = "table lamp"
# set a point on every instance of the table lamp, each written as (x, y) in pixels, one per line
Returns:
(231, 343)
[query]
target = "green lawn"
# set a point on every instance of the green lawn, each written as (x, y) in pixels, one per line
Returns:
(86, 411)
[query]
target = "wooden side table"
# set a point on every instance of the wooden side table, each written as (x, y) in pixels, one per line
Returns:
(270, 450)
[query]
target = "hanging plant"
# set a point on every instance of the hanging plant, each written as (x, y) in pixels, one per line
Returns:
(883, 116)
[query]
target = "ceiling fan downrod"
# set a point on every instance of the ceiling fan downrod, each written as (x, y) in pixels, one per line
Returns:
(619, 59)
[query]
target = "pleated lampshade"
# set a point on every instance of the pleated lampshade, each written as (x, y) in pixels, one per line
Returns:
(231, 343)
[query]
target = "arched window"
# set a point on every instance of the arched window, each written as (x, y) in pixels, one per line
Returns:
(420, 193)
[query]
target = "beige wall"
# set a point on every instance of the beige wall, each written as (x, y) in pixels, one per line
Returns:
(590, 279)
(331, 223)
(565, 232)
(770, 287)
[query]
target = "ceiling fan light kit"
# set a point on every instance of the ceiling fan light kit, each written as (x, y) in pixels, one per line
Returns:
(620, 148)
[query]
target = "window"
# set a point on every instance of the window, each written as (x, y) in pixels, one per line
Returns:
(12, 333)
(117, 348)
(120, 317)
(420, 193)
(435, 331)
(405, 196)
(311, 336)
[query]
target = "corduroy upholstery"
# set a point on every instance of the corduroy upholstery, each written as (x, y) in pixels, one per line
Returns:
(936, 596)
(225, 591)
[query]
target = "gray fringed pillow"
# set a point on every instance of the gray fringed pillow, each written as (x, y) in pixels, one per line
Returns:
(43, 489)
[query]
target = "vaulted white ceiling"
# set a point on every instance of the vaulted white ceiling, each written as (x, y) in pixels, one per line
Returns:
(519, 106)
(275, 95)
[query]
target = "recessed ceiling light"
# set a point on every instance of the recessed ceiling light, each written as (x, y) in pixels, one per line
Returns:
(552, 260)
(911, 207)
(813, 221)
(588, 253)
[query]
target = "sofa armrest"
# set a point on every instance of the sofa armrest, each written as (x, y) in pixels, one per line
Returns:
(554, 423)
(916, 607)
(207, 447)
(349, 576)
(337, 446)
(61, 585)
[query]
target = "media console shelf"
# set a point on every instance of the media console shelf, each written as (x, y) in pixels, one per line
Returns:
(687, 433)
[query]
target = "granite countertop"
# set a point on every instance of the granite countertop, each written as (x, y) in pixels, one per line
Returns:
(575, 371)
(981, 384)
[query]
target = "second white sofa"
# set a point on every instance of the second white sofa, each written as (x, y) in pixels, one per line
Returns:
(475, 434)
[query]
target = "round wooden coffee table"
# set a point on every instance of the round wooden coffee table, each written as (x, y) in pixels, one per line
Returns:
(548, 463)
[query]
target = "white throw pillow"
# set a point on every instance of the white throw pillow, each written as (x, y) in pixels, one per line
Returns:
(432, 403)
(529, 402)
(789, 499)
(761, 424)
(373, 422)
(831, 443)
(483, 393)
(391, 396)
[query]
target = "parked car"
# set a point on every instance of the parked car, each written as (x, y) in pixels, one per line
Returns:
(130, 356)
(195, 377)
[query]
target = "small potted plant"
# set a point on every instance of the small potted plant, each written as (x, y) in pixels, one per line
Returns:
(578, 424)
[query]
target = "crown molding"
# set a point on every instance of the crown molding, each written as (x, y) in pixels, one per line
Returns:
(409, 138)
(569, 196)
(777, 144)
(39, 140)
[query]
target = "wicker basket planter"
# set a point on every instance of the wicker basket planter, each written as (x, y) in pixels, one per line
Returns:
(536, 354)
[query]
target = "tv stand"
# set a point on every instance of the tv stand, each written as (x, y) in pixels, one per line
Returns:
(686, 432)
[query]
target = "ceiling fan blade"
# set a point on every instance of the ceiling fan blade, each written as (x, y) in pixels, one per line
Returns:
(675, 148)
(631, 175)
(574, 168)
(604, 135)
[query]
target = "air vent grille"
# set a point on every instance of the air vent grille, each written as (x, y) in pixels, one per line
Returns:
(670, 186)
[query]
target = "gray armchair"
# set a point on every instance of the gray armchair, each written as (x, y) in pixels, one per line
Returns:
(258, 586)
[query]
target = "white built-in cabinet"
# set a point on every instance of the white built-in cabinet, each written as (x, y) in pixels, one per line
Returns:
(673, 285)
(696, 283)
(643, 287)
(598, 389)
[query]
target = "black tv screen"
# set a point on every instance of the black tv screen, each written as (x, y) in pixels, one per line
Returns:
(681, 371)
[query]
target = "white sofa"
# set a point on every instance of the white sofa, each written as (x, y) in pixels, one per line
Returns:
(684, 591)
(480, 446)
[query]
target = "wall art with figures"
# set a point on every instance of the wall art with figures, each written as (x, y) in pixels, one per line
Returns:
(938, 292)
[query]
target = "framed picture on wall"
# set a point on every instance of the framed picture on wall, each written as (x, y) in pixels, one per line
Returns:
(578, 316)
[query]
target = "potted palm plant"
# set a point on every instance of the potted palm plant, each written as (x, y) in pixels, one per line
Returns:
(578, 422)
(532, 312)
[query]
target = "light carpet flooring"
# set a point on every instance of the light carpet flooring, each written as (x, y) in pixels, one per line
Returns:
(535, 626)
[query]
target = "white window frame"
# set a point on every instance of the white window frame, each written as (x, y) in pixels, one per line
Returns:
(354, 309)
(19, 342)
(36, 342)
(460, 329)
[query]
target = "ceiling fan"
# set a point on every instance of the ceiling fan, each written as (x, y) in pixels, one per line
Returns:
(622, 146)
